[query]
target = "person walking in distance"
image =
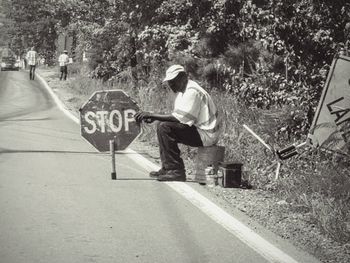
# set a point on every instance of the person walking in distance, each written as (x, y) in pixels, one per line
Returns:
(194, 122)
(32, 59)
(63, 60)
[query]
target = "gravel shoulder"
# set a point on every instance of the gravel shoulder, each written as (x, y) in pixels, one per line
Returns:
(257, 207)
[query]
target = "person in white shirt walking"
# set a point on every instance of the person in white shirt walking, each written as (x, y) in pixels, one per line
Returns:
(32, 59)
(63, 60)
(194, 122)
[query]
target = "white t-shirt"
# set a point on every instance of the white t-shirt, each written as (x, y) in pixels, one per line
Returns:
(32, 57)
(63, 59)
(196, 107)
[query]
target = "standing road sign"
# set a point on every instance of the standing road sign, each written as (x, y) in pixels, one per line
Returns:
(109, 115)
(331, 125)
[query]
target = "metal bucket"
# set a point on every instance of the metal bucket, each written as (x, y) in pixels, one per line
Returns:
(209, 155)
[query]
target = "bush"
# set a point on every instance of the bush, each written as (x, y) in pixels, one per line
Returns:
(214, 73)
(74, 69)
(235, 55)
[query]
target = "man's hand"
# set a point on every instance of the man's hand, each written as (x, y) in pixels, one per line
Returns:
(145, 116)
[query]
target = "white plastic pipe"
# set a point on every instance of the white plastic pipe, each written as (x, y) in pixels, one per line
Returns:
(257, 136)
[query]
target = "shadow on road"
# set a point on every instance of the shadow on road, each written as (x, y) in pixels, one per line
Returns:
(9, 151)
(9, 119)
(135, 179)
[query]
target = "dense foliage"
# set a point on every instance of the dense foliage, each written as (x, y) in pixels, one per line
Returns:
(266, 52)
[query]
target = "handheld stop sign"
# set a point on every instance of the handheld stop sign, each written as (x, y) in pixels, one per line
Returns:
(109, 115)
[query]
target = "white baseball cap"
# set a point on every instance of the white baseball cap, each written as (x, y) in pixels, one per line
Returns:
(173, 71)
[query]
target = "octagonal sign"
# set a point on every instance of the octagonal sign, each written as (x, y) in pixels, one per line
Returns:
(109, 115)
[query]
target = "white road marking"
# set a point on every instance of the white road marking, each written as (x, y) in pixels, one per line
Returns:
(238, 229)
(58, 102)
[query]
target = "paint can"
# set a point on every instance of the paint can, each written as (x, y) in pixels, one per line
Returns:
(230, 174)
(210, 176)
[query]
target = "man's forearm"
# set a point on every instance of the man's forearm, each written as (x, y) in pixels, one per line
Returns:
(149, 117)
(165, 117)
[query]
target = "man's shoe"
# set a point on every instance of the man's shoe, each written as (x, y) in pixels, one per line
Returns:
(173, 175)
(156, 174)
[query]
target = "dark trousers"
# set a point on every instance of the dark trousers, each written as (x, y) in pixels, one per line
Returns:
(31, 72)
(64, 72)
(169, 135)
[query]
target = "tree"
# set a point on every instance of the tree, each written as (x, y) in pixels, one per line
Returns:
(34, 25)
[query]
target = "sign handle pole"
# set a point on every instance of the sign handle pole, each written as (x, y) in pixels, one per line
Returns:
(278, 170)
(112, 150)
(257, 137)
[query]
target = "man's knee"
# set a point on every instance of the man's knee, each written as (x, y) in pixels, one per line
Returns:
(163, 127)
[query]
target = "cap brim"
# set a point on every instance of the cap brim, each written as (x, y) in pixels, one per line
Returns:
(171, 76)
(167, 78)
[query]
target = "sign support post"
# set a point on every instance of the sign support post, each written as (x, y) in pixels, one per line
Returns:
(112, 151)
(279, 164)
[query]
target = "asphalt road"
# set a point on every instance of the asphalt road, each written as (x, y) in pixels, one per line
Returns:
(58, 203)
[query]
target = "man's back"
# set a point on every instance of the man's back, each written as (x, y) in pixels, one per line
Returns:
(63, 59)
(32, 57)
(196, 107)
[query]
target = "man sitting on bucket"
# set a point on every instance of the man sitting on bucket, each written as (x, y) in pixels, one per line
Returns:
(193, 122)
